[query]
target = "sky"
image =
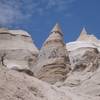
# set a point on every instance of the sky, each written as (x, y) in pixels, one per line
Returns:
(38, 17)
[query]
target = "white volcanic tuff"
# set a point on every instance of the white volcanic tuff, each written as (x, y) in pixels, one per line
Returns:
(16, 39)
(57, 29)
(84, 83)
(18, 58)
(19, 32)
(78, 49)
(71, 46)
(19, 86)
(85, 60)
(85, 37)
(55, 35)
(14, 32)
(81, 83)
(17, 49)
(52, 64)
(84, 43)
(84, 79)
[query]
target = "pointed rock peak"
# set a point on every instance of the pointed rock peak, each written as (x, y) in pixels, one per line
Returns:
(83, 35)
(55, 35)
(57, 28)
(83, 31)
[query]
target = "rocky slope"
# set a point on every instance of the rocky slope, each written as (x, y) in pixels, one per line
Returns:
(84, 77)
(20, 86)
(17, 51)
(70, 72)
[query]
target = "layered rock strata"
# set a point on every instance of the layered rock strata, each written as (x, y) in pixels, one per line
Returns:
(86, 37)
(83, 52)
(82, 82)
(20, 86)
(53, 61)
(17, 51)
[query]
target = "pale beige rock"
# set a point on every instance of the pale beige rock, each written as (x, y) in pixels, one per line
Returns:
(77, 49)
(53, 61)
(57, 29)
(90, 38)
(83, 80)
(14, 32)
(83, 35)
(17, 51)
(20, 86)
(83, 84)
(80, 81)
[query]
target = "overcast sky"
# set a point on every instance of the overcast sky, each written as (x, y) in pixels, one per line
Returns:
(39, 16)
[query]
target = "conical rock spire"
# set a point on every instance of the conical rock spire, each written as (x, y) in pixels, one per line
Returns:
(53, 61)
(84, 31)
(83, 35)
(56, 35)
(57, 28)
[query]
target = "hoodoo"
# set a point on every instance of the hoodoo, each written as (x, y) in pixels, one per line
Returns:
(83, 35)
(84, 51)
(17, 51)
(53, 63)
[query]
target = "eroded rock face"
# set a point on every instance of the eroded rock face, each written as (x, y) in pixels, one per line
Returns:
(89, 38)
(84, 51)
(17, 51)
(84, 58)
(83, 79)
(19, 86)
(78, 81)
(84, 36)
(53, 61)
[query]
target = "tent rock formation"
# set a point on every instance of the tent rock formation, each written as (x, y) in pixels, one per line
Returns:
(73, 69)
(53, 61)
